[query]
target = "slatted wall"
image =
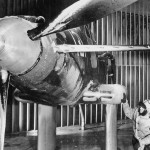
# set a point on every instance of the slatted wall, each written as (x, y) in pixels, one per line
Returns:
(130, 26)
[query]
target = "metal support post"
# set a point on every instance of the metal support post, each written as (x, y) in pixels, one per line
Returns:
(46, 127)
(82, 118)
(111, 127)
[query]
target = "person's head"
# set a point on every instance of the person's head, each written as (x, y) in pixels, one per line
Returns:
(142, 108)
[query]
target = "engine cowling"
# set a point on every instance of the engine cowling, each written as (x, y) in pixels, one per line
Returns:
(38, 71)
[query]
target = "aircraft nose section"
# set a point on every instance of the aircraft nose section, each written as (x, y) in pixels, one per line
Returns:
(18, 53)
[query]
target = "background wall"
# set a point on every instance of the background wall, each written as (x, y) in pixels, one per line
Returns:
(130, 26)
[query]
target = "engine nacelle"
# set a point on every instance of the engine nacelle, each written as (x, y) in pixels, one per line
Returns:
(37, 70)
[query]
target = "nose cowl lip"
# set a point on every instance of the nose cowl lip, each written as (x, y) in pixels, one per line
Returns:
(2, 43)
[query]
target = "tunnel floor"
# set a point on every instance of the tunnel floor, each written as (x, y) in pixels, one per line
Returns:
(73, 138)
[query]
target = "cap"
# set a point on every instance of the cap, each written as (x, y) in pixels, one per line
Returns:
(147, 103)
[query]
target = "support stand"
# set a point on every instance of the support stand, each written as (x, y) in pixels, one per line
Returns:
(82, 118)
(3, 108)
(46, 127)
(4, 86)
(111, 127)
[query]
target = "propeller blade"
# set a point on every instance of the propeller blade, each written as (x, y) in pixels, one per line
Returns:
(67, 48)
(79, 13)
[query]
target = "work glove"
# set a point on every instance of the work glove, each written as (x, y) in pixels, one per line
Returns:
(124, 100)
(141, 145)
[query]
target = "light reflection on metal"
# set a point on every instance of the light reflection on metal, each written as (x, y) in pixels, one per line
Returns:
(97, 48)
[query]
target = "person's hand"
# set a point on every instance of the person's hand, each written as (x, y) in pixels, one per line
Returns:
(124, 100)
(141, 148)
(141, 145)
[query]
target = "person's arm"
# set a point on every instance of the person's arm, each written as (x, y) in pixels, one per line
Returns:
(129, 112)
(145, 141)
